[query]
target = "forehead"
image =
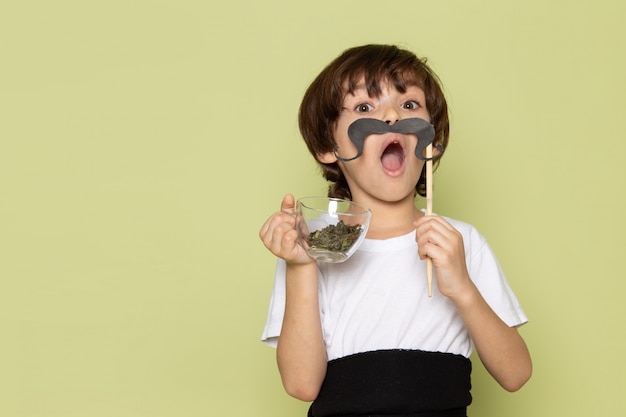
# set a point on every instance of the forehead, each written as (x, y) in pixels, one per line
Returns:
(385, 86)
(374, 83)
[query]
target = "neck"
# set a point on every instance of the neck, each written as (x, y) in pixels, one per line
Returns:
(391, 219)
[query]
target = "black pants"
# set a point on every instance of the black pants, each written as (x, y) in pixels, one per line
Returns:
(398, 383)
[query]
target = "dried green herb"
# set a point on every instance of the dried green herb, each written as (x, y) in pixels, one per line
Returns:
(334, 237)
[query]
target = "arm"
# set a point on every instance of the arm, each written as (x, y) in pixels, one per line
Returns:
(301, 352)
(500, 347)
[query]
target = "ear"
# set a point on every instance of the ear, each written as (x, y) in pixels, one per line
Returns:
(437, 150)
(327, 157)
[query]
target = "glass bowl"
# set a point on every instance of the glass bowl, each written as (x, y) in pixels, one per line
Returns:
(331, 229)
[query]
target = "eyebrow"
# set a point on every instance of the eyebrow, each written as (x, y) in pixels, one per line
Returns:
(358, 87)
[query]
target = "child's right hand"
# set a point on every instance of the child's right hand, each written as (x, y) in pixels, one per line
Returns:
(280, 236)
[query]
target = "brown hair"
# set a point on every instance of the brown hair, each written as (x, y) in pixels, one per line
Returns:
(376, 64)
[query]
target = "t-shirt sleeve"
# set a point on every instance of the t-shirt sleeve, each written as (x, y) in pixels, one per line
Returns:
(487, 274)
(274, 321)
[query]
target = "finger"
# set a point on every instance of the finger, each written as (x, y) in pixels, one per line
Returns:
(434, 236)
(443, 222)
(432, 220)
(443, 246)
(275, 223)
(269, 223)
(266, 227)
(288, 204)
(283, 240)
(436, 228)
(428, 245)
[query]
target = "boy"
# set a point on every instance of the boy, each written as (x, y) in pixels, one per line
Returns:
(362, 337)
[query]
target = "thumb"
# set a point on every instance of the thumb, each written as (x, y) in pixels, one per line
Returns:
(288, 203)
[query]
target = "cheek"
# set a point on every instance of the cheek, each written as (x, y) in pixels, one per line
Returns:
(347, 149)
(417, 163)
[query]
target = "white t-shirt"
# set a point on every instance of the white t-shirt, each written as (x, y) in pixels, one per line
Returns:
(378, 299)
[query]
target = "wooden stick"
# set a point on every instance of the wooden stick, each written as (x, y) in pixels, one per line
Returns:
(429, 210)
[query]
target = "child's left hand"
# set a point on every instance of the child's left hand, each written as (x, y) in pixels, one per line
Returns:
(439, 241)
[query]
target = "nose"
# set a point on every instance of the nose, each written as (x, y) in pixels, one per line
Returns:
(391, 115)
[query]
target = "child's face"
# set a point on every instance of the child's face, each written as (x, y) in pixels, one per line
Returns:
(388, 168)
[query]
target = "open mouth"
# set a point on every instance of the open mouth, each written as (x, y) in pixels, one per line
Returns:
(393, 156)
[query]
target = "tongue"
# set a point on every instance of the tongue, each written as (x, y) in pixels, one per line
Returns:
(391, 161)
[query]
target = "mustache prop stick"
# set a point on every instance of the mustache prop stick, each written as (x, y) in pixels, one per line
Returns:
(425, 132)
(429, 209)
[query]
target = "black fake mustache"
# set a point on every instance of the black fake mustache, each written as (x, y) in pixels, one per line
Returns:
(362, 128)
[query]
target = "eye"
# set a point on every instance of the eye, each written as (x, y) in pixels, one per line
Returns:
(411, 105)
(363, 108)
